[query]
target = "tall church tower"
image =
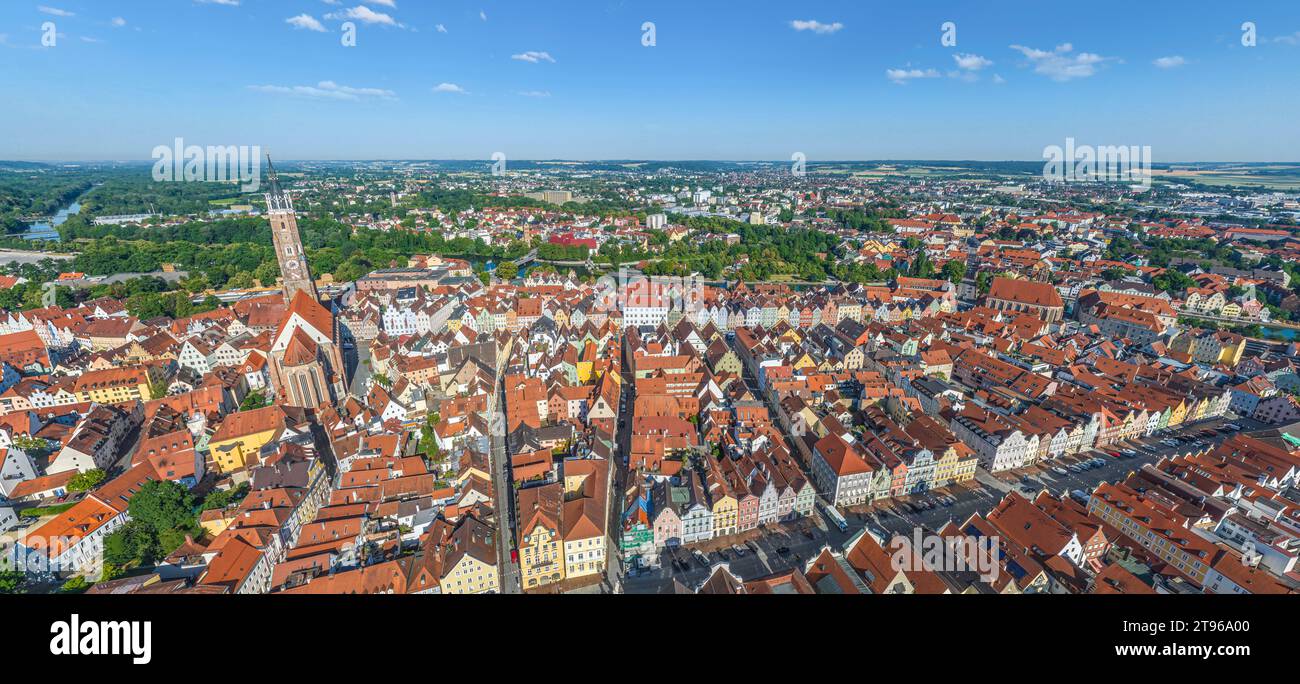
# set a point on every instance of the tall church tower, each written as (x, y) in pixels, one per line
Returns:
(288, 246)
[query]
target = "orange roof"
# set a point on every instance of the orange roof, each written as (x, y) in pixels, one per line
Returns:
(72, 525)
(310, 311)
(244, 423)
(1025, 292)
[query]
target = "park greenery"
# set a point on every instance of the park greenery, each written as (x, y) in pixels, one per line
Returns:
(162, 515)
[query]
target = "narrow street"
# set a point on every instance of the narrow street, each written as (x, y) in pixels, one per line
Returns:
(503, 497)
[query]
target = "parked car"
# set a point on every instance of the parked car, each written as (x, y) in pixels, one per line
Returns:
(740, 550)
(1059, 470)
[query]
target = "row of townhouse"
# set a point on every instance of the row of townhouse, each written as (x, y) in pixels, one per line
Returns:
(886, 459)
(562, 525)
(254, 536)
(1152, 520)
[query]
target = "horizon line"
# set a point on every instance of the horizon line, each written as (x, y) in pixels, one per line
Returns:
(488, 160)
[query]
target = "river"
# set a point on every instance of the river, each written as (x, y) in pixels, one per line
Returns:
(1281, 334)
(49, 231)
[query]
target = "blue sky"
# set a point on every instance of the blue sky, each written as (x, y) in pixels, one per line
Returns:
(726, 79)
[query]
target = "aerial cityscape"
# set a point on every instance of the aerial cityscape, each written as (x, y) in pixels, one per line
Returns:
(965, 319)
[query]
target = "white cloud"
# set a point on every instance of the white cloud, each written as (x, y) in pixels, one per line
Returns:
(327, 90)
(997, 78)
(385, 3)
(305, 21)
(441, 28)
(815, 26)
(971, 62)
(1170, 62)
(533, 56)
(482, 15)
(902, 76)
(88, 39)
(1060, 64)
(55, 11)
(119, 21)
(365, 15)
(228, 3)
(535, 93)
(449, 88)
(1293, 39)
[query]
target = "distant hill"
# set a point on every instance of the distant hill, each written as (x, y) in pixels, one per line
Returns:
(23, 166)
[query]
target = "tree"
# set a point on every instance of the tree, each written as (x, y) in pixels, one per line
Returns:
(1113, 273)
(507, 270)
(83, 482)
(75, 585)
(110, 572)
(427, 438)
(158, 389)
(11, 582)
(266, 273)
(196, 283)
(1173, 281)
(983, 282)
(222, 498)
(253, 400)
(163, 505)
(33, 446)
(922, 267)
(134, 542)
(954, 271)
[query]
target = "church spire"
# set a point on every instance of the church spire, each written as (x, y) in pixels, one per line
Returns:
(276, 199)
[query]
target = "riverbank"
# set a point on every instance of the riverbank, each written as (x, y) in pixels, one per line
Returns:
(1284, 331)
